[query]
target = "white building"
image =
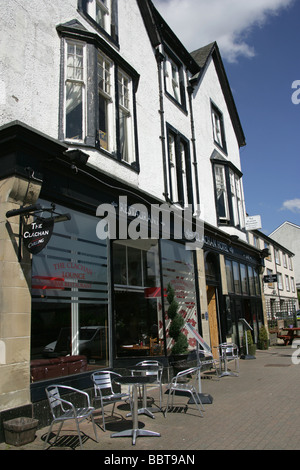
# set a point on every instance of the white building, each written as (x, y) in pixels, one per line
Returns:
(288, 234)
(100, 103)
(279, 286)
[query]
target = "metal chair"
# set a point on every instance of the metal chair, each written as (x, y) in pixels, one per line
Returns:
(158, 373)
(102, 381)
(185, 387)
(63, 410)
(228, 352)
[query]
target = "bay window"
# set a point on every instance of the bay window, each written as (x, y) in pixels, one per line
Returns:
(228, 193)
(98, 106)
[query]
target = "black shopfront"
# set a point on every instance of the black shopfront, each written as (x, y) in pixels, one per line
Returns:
(95, 303)
(233, 287)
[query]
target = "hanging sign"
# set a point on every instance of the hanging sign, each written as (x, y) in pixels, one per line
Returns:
(37, 234)
(270, 278)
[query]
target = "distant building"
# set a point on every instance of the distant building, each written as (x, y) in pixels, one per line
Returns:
(279, 277)
(288, 234)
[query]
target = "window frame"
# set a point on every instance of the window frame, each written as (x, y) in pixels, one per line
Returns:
(218, 128)
(79, 82)
(179, 168)
(94, 46)
(171, 63)
(88, 10)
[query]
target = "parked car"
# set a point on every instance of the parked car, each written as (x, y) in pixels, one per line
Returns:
(91, 342)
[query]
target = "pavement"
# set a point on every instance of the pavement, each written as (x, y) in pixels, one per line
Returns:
(258, 410)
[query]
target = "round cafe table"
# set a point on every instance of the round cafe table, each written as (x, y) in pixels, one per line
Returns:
(135, 382)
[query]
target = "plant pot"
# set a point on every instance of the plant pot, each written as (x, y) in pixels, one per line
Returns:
(20, 431)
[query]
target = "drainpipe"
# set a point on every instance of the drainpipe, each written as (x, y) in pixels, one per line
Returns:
(190, 90)
(160, 60)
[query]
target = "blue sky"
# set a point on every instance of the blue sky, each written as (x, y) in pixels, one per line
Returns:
(260, 46)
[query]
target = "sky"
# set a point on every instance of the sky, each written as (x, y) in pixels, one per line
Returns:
(259, 41)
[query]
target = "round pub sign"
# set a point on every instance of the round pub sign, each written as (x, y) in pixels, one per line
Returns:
(37, 234)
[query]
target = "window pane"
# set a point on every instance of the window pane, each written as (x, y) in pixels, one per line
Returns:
(124, 136)
(229, 276)
(244, 277)
(103, 122)
(236, 278)
(74, 111)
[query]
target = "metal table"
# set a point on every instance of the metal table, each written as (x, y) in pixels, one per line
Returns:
(135, 382)
(146, 371)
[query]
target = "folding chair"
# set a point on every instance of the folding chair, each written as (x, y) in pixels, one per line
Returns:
(63, 410)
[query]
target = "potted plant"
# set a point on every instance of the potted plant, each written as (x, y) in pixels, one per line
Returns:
(263, 341)
(251, 345)
(180, 346)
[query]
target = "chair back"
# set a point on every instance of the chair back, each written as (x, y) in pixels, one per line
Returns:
(54, 400)
(157, 364)
(102, 380)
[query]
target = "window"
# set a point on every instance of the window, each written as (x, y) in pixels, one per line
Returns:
(179, 168)
(267, 247)
(174, 81)
(105, 102)
(102, 14)
(218, 127)
(237, 203)
(277, 256)
(293, 284)
(126, 149)
(284, 260)
(287, 283)
(221, 193)
(98, 106)
(228, 192)
(290, 263)
(75, 91)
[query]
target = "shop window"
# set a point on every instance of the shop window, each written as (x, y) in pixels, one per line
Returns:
(137, 298)
(229, 276)
(70, 300)
(244, 279)
(236, 277)
(179, 271)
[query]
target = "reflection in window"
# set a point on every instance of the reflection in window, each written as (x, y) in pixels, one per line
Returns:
(75, 91)
(70, 298)
(137, 298)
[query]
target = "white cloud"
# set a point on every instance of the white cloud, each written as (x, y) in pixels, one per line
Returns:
(200, 22)
(291, 205)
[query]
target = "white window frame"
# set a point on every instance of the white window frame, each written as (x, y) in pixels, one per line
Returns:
(221, 187)
(287, 283)
(173, 167)
(293, 284)
(104, 6)
(107, 92)
(77, 81)
(172, 77)
(125, 107)
(277, 256)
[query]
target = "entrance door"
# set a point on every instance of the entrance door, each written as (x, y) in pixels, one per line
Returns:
(213, 319)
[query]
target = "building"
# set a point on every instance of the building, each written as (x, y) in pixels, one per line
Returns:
(102, 146)
(288, 234)
(279, 278)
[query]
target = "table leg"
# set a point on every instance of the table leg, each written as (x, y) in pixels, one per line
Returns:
(144, 410)
(226, 372)
(135, 431)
